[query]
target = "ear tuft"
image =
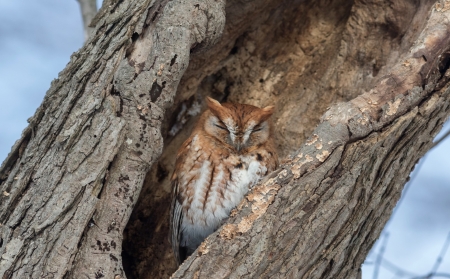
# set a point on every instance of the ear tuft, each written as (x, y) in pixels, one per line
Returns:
(269, 110)
(214, 106)
(266, 113)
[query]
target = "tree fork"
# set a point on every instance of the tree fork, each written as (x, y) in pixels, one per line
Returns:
(70, 183)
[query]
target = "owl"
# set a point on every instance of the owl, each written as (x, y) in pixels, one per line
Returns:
(229, 151)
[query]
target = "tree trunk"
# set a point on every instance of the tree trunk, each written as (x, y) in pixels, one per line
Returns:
(127, 99)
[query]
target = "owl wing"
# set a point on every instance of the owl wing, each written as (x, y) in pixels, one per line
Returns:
(176, 217)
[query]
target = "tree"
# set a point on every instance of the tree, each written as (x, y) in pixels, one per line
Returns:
(124, 103)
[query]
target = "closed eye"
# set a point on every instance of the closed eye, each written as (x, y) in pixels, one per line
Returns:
(257, 128)
(221, 127)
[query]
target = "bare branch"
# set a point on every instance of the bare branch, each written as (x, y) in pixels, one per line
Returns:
(380, 256)
(88, 11)
(441, 255)
(441, 139)
(437, 275)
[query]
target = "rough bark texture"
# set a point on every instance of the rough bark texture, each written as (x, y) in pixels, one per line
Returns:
(70, 183)
(128, 99)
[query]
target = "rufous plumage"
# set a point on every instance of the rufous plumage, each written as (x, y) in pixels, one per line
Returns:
(230, 149)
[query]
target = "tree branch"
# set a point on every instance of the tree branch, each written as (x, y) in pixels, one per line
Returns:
(88, 11)
(379, 259)
(73, 182)
(442, 138)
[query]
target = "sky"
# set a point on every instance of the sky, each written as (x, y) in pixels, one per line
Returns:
(36, 41)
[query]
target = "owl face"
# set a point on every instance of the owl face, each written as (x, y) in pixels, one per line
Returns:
(238, 126)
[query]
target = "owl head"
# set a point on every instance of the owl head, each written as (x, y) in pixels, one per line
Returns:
(238, 126)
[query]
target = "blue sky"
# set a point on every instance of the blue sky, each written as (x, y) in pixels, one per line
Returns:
(36, 41)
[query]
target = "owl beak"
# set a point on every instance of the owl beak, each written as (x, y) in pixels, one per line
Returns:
(238, 147)
(239, 143)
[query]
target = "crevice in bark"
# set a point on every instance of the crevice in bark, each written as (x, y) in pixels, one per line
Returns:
(114, 92)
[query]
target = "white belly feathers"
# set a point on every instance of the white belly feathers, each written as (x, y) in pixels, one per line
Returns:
(217, 191)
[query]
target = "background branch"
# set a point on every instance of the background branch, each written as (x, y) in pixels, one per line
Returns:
(441, 139)
(88, 11)
(379, 259)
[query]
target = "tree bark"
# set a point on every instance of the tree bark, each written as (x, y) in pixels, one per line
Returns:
(70, 183)
(127, 99)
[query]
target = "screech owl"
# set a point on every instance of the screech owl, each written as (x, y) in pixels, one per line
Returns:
(229, 150)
